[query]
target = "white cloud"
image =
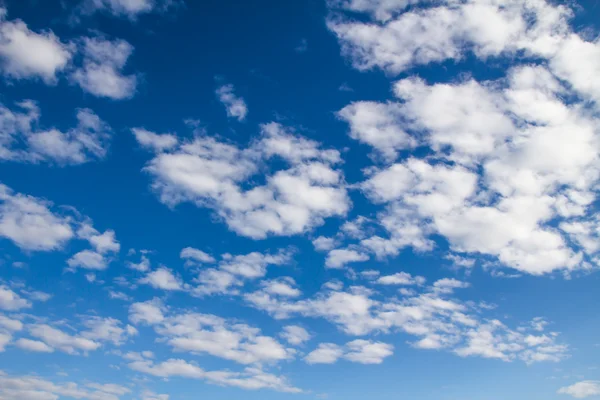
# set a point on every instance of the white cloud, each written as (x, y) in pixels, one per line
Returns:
(323, 243)
(88, 259)
(149, 312)
(60, 340)
(338, 258)
(101, 74)
(164, 279)
(281, 287)
(581, 390)
(400, 278)
(148, 395)
(130, 9)
(11, 301)
(212, 173)
(234, 105)
(33, 345)
(233, 271)
(367, 351)
(154, 141)
(22, 141)
(28, 222)
(250, 378)
(447, 30)
(376, 124)
(190, 253)
(437, 321)
(358, 351)
(107, 330)
(325, 353)
(26, 54)
(10, 324)
(35, 388)
(295, 335)
(208, 334)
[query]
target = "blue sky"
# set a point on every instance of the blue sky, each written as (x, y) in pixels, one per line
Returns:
(320, 199)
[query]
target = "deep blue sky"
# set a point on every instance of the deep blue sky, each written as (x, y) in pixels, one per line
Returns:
(471, 272)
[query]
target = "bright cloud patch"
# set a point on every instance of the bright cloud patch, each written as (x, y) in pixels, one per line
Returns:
(26, 54)
(210, 173)
(510, 157)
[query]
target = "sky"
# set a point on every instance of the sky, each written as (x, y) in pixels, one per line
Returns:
(308, 199)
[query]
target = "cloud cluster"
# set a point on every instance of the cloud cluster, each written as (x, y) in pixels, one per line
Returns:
(432, 316)
(215, 174)
(512, 167)
(14, 387)
(22, 140)
(93, 63)
(358, 351)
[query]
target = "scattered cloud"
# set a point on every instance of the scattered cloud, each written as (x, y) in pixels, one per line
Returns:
(234, 105)
(25, 54)
(581, 390)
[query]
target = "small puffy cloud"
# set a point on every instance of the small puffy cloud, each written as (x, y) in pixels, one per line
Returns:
(107, 330)
(57, 339)
(36, 388)
(190, 253)
(338, 258)
(281, 287)
(234, 270)
(11, 301)
(162, 278)
(367, 351)
(400, 278)
(25, 54)
(149, 312)
(88, 259)
(581, 390)
(234, 105)
(101, 74)
(323, 243)
(325, 353)
(295, 335)
(293, 199)
(154, 141)
(28, 222)
(22, 140)
(33, 345)
(358, 351)
(251, 378)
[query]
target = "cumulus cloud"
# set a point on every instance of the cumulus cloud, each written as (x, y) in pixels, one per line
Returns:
(209, 334)
(163, 278)
(358, 351)
(28, 222)
(497, 148)
(431, 314)
(338, 258)
(14, 387)
(22, 140)
(249, 378)
(25, 54)
(581, 390)
(233, 271)
(154, 141)
(102, 71)
(212, 173)
(295, 335)
(234, 105)
(11, 301)
(190, 253)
